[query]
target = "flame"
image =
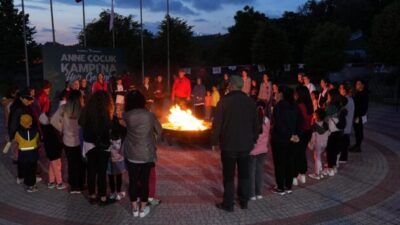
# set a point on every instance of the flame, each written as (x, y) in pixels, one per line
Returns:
(179, 119)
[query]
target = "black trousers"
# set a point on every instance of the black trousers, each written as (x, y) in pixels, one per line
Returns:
(283, 157)
(199, 111)
(300, 158)
(97, 161)
(29, 172)
(359, 132)
(333, 148)
(345, 147)
(229, 162)
(115, 182)
(75, 167)
(139, 174)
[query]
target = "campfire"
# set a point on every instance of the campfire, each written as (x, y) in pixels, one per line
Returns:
(183, 120)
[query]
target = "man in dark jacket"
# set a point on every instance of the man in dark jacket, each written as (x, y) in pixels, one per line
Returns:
(20, 106)
(235, 129)
(360, 113)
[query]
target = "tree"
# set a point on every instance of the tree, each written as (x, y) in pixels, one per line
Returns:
(12, 39)
(240, 37)
(385, 38)
(325, 51)
(181, 42)
(270, 46)
(127, 37)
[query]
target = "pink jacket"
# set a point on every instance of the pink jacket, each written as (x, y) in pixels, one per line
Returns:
(262, 144)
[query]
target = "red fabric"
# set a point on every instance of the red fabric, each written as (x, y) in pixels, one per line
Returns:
(44, 102)
(97, 86)
(208, 100)
(306, 118)
(152, 183)
(181, 88)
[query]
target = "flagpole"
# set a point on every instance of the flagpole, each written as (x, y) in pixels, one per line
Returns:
(112, 17)
(141, 36)
(168, 51)
(52, 21)
(25, 44)
(84, 23)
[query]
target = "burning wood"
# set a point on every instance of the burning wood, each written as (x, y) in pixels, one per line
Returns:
(183, 120)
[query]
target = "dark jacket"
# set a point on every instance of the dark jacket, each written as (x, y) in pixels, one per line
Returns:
(198, 94)
(286, 121)
(99, 137)
(235, 126)
(16, 110)
(143, 130)
(360, 103)
(52, 142)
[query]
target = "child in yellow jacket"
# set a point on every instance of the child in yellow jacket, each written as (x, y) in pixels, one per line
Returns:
(28, 139)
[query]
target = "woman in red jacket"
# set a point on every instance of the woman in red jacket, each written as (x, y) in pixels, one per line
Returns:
(100, 84)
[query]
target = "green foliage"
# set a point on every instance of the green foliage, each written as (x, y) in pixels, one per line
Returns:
(385, 40)
(127, 36)
(325, 51)
(270, 46)
(241, 35)
(12, 40)
(181, 42)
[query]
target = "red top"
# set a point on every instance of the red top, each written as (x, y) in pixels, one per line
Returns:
(98, 86)
(44, 102)
(208, 100)
(306, 118)
(181, 88)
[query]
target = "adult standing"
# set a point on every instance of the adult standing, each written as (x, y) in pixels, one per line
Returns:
(118, 94)
(246, 82)
(286, 129)
(198, 95)
(323, 96)
(96, 142)
(265, 92)
(100, 83)
(304, 104)
(307, 82)
(345, 91)
(44, 98)
(235, 129)
(360, 113)
(139, 148)
(223, 87)
(65, 120)
(181, 90)
(147, 91)
(84, 87)
(159, 94)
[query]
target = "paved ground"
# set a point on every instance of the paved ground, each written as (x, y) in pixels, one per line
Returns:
(366, 190)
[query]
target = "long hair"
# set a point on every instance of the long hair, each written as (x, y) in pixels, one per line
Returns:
(303, 96)
(98, 111)
(73, 106)
(287, 93)
(134, 100)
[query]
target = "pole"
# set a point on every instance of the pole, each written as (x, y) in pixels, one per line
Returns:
(141, 36)
(113, 37)
(168, 51)
(26, 47)
(84, 23)
(112, 18)
(52, 21)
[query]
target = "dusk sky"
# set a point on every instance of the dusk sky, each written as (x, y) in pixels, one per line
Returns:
(207, 16)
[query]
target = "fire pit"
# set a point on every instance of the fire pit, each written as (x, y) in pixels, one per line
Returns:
(182, 126)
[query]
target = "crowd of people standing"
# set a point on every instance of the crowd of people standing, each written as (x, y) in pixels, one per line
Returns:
(248, 121)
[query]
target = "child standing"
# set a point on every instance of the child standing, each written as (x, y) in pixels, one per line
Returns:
(215, 99)
(258, 154)
(116, 164)
(318, 142)
(207, 105)
(53, 147)
(28, 139)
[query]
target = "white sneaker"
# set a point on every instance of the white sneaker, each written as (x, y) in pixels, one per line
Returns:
(325, 172)
(135, 213)
(38, 179)
(295, 182)
(302, 178)
(253, 198)
(335, 170)
(314, 176)
(113, 196)
(122, 194)
(144, 212)
(20, 180)
(259, 197)
(331, 172)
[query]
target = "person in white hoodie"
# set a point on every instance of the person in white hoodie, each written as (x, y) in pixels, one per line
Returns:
(345, 90)
(259, 154)
(318, 142)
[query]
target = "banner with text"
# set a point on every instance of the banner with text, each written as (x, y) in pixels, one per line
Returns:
(64, 64)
